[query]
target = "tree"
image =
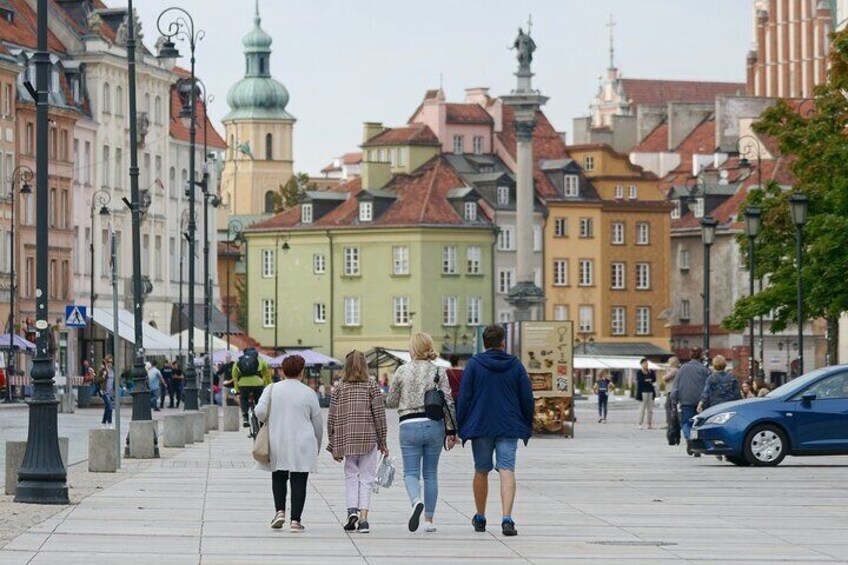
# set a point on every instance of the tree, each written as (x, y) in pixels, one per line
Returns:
(813, 133)
(289, 194)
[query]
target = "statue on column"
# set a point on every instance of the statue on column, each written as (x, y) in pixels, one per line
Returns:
(525, 46)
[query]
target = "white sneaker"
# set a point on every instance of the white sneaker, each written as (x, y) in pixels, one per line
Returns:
(429, 527)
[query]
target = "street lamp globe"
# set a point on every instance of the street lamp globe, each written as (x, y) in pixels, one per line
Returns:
(798, 205)
(753, 222)
(168, 52)
(708, 230)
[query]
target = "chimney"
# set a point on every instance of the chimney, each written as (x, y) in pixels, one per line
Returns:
(477, 95)
(370, 130)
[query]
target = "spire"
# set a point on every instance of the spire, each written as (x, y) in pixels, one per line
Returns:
(611, 25)
(256, 19)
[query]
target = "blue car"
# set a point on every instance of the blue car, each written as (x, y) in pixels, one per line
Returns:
(806, 416)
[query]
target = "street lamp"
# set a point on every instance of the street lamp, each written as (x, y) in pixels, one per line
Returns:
(42, 478)
(22, 175)
(101, 200)
(753, 221)
(182, 27)
(798, 205)
(236, 228)
(708, 232)
(183, 226)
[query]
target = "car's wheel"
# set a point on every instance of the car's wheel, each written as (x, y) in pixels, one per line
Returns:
(738, 461)
(766, 446)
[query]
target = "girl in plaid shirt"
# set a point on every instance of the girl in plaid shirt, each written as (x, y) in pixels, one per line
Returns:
(356, 428)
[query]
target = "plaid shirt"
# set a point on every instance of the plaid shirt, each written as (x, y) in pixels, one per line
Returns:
(357, 420)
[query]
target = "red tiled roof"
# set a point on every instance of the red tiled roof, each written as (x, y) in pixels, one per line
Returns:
(415, 134)
(23, 30)
(654, 142)
(468, 114)
(656, 92)
(352, 158)
(180, 132)
(701, 141)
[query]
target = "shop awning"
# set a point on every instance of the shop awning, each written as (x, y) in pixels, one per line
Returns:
(311, 357)
(611, 362)
(155, 342)
(397, 356)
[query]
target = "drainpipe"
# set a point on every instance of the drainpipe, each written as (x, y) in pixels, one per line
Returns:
(332, 296)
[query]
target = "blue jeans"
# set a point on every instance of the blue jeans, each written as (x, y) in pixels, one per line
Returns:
(107, 409)
(686, 412)
(154, 398)
(422, 441)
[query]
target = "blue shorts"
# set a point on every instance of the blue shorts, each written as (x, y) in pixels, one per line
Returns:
(504, 448)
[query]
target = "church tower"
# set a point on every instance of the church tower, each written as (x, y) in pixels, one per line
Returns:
(259, 131)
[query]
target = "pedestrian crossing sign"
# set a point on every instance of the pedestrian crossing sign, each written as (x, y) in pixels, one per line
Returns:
(75, 316)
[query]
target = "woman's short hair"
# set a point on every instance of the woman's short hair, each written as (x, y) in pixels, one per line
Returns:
(421, 347)
(674, 362)
(355, 368)
(719, 363)
(293, 365)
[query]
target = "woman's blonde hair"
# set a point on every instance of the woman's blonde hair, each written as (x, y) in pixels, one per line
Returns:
(674, 362)
(355, 368)
(421, 347)
(719, 363)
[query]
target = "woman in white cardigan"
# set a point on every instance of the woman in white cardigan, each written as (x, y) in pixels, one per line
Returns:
(295, 435)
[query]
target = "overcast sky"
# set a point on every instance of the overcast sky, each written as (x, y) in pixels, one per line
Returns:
(345, 62)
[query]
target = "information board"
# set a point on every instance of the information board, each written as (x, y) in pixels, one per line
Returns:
(547, 352)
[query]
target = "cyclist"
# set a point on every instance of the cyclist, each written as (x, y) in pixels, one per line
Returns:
(251, 374)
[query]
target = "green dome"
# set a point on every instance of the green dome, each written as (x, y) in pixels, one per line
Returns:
(257, 39)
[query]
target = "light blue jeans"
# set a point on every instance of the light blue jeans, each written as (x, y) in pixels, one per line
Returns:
(421, 445)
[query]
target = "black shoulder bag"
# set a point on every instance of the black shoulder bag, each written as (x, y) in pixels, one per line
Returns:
(434, 401)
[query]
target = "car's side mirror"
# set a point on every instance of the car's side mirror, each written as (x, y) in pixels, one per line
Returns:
(808, 397)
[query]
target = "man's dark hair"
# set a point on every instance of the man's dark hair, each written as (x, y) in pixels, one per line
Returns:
(454, 360)
(642, 360)
(493, 337)
(696, 354)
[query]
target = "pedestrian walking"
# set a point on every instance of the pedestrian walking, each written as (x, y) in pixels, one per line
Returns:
(495, 410)
(356, 434)
(421, 439)
(167, 391)
(179, 381)
(454, 376)
(250, 376)
(603, 387)
(669, 379)
(645, 391)
(106, 380)
(720, 387)
(291, 410)
(155, 381)
(690, 381)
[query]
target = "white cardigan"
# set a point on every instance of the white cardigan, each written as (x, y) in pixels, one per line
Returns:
(297, 427)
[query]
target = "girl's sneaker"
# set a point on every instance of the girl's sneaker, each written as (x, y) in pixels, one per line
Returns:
(429, 527)
(363, 527)
(352, 521)
(414, 520)
(296, 527)
(278, 521)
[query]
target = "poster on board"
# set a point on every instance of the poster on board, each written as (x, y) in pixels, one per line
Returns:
(547, 352)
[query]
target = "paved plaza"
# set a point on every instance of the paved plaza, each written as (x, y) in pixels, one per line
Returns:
(614, 494)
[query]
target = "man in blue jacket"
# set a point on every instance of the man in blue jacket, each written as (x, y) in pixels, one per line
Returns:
(494, 411)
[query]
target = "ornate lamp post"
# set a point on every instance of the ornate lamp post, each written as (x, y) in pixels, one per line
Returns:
(753, 220)
(798, 205)
(708, 232)
(22, 175)
(100, 199)
(42, 478)
(236, 228)
(182, 27)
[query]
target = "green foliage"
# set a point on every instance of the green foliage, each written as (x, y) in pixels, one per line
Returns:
(289, 194)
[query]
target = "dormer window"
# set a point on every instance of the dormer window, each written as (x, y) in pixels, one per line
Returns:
(589, 163)
(478, 144)
(470, 211)
(458, 143)
(572, 185)
(633, 192)
(503, 196)
(675, 212)
(619, 192)
(306, 214)
(698, 208)
(366, 211)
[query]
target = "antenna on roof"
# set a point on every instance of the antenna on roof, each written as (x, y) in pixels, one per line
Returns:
(611, 25)
(440, 80)
(529, 24)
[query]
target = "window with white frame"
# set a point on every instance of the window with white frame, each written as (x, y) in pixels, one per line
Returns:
(506, 280)
(684, 259)
(478, 144)
(319, 313)
(504, 316)
(586, 227)
(633, 192)
(643, 320)
(268, 263)
(675, 212)
(537, 277)
(643, 233)
(617, 320)
(393, 156)
(470, 211)
(351, 261)
(586, 321)
(319, 264)
(506, 238)
(618, 233)
(619, 192)
(473, 256)
(268, 313)
(586, 276)
(560, 272)
(684, 310)
(306, 213)
(449, 260)
(366, 211)
(618, 276)
(560, 227)
(571, 185)
(400, 310)
(503, 196)
(698, 208)
(458, 144)
(643, 276)
(384, 158)
(400, 260)
(475, 311)
(560, 312)
(449, 309)
(351, 311)
(537, 238)
(401, 157)
(589, 163)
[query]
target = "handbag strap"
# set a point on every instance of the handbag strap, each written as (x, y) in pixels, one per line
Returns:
(270, 398)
